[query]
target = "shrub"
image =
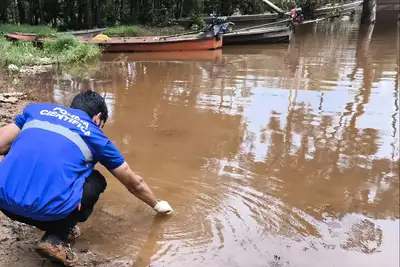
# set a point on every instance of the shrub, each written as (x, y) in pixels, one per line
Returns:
(132, 31)
(65, 50)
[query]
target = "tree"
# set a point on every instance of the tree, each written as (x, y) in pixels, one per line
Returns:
(83, 14)
(368, 16)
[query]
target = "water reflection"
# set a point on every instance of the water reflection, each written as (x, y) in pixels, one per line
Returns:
(279, 155)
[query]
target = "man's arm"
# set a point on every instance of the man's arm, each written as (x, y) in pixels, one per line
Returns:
(112, 159)
(7, 136)
(135, 184)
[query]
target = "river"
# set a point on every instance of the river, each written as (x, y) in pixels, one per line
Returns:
(271, 155)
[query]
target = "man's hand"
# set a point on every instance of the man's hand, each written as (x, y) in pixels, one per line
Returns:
(163, 207)
(7, 136)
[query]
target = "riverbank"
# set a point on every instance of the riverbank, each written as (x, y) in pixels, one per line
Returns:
(26, 28)
(17, 249)
(66, 49)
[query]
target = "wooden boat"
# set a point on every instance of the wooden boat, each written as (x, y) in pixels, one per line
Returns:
(83, 33)
(88, 33)
(305, 22)
(342, 9)
(239, 20)
(259, 36)
(20, 37)
(176, 56)
(149, 44)
(142, 44)
(245, 20)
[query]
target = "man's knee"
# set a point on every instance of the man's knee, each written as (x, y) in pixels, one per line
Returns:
(97, 181)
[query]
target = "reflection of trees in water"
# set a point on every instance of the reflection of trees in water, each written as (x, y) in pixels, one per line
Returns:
(315, 47)
(324, 161)
(314, 160)
(173, 139)
(332, 162)
(365, 237)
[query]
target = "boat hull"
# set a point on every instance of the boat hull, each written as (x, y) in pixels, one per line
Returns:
(83, 33)
(195, 44)
(259, 36)
(141, 44)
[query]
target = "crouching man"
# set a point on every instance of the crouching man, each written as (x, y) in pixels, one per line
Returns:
(47, 178)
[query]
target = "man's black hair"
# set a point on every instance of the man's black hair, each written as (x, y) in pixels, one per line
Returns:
(92, 103)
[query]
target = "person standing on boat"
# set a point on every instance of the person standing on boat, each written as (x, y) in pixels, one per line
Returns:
(47, 178)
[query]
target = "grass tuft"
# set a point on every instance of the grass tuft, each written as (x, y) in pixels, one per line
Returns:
(23, 28)
(139, 31)
(128, 31)
(66, 49)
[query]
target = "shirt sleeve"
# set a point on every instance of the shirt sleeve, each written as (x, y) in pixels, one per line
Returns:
(20, 121)
(111, 158)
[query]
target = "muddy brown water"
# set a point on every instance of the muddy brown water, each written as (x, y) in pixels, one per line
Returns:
(273, 155)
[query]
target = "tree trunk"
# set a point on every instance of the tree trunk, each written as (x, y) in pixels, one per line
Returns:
(3, 10)
(73, 18)
(54, 13)
(88, 15)
(368, 15)
(181, 13)
(121, 12)
(41, 12)
(115, 16)
(21, 11)
(98, 10)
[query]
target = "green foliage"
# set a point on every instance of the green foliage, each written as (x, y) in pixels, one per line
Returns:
(313, 4)
(64, 50)
(69, 49)
(79, 14)
(24, 28)
(19, 53)
(132, 31)
(138, 30)
(198, 21)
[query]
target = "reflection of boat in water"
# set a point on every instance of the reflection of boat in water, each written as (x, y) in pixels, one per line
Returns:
(258, 49)
(259, 35)
(203, 55)
(142, 44)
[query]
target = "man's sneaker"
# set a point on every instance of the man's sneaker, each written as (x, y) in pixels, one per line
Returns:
(74, 234)
(53, 248)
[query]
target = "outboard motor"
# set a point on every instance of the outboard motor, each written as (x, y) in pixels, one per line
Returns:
(219, 25)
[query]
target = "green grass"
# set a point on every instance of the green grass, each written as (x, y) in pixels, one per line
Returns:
(131, 31)
(139, 30)
(42, 30)
(19, 53)
(66, 49)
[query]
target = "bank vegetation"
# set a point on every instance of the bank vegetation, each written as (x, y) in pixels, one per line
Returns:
(78, 14)
(67, 49)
